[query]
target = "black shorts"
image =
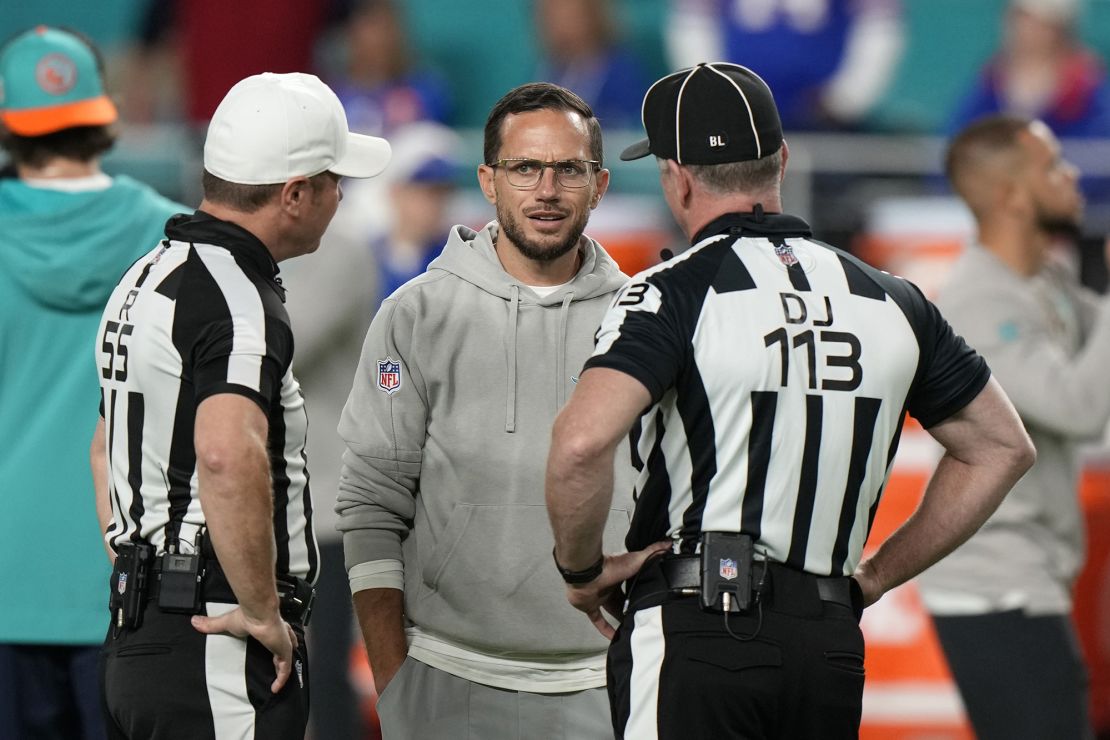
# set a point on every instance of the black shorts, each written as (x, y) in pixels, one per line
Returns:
(166, 681)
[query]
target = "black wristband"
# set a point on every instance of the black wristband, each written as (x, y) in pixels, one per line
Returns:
(577, 577)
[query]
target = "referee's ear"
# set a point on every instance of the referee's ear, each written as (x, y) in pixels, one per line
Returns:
(682, 182)
(296, 196)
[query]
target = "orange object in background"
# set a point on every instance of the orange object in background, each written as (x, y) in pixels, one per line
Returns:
(917, 238)
(1092, 602)
(634, 229)
(362, 679)
(635, 251)
(928, 266)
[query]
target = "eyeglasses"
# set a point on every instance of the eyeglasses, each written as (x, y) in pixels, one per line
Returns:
(526, 173)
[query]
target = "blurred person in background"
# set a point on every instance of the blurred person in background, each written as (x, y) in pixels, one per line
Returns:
(828, 61)
(67, 232)
(200, 48)
(384, 86)
(581, 52)
(447, 427)
(421, 185)
(1043, 71)
(1002, 602)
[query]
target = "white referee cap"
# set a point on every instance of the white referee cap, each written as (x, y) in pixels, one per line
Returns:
(270, 128)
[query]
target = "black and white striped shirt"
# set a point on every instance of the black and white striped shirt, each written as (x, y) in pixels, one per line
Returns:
(780, 370)
(199, 315)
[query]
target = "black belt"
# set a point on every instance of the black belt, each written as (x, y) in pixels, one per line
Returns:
(295, 595)
(676, 576)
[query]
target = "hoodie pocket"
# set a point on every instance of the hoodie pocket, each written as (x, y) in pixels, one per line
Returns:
(492, 581)
(448, 542)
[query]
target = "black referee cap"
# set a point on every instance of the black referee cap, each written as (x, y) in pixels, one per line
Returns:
(709, 114)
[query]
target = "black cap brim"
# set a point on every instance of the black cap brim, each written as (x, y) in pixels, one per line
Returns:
(637, 151)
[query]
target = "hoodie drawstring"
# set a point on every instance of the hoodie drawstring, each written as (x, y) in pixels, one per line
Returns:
(561, 353)
(510, 357)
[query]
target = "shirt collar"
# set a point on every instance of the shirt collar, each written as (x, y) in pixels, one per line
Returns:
(248, 249)
(756, 223)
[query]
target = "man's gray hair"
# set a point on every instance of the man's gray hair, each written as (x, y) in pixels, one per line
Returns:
(753, 176)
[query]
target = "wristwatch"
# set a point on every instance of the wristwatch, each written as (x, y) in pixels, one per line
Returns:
(578, 577)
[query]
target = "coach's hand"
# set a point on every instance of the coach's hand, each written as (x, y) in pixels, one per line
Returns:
(604, 592)
(275, 635)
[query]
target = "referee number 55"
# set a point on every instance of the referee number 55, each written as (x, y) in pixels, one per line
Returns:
(114, 345)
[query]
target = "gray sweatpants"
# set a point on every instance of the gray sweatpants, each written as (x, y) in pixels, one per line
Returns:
(424, 703)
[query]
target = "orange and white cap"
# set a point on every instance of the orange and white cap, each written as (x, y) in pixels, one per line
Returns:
(49, 81)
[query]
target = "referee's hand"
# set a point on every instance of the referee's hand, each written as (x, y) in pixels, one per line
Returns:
(604, 592)
(869, 583)
(275, 635)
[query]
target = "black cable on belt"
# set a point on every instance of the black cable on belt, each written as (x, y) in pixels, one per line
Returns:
(758, 606)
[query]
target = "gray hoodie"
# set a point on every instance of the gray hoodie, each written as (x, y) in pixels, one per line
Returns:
(447, 429)
(1047, 341)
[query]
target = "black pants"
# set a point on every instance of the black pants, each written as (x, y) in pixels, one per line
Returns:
(50, 692)
(166, 681)
(676, 673)
(1019, 676)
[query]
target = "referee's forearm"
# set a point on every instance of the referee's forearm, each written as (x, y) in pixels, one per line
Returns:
(957, 502)
(233, 469)
(986, 451)
(579, 482)
(579, 491)
(238, 509)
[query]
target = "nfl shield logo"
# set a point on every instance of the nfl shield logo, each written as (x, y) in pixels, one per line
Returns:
(786, 254)
(728, 569)
(389, 375)
(121, 584)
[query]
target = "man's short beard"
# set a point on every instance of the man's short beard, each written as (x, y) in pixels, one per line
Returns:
(532, 250)
(1064, 227)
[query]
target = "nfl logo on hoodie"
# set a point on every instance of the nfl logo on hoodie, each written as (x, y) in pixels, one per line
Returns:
(389, 375)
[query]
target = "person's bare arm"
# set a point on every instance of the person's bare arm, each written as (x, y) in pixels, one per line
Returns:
(986, 451)
(380, 616)
(236, 495)
(579, 486)
(98, 464)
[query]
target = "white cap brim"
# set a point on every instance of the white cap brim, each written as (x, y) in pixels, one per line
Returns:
(366, 156)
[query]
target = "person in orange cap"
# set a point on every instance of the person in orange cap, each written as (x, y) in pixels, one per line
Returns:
(67, 232)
